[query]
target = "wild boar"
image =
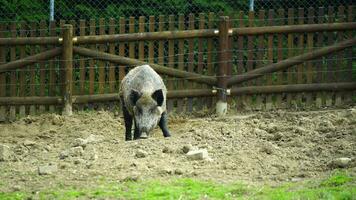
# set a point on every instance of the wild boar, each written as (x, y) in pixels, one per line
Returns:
(143, 99)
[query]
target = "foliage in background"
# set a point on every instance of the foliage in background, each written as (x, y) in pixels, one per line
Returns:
(34, 10)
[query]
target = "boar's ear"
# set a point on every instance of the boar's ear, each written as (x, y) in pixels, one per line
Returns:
(158, 97)
(134, 96)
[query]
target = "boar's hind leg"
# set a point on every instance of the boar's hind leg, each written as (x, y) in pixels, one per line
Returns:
(163, 125)
(128, 123)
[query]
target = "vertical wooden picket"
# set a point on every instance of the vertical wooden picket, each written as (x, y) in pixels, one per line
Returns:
(82, 63)
(299, 96)
(22, 72)
(319, 64)
(101, 64)
(141, 44)
(250, 58)
(52, 90)
(13, 74)
(260, 57)
(340, 56)
(241, 101)
(180, 85)
(91, 61)
(309, 69)
(209, 59)
(32, 69)
(201, 105)
(3, 114)
(330, 62)
(349, 55)
(42, 67)
(122, 45)
(269, 100)
(170, 102)
(280, 75)
(190, 59)
(291, 71)
(111, 75)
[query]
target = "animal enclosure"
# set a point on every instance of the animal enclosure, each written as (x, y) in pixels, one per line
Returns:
(266, 60)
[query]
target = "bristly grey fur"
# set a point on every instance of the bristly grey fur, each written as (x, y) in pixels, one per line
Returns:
(144, 80)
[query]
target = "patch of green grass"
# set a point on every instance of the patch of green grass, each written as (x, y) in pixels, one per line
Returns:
(338, 186)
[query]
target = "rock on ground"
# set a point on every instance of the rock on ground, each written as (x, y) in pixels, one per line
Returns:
(5, 152)
(47, 169)
(200, 154)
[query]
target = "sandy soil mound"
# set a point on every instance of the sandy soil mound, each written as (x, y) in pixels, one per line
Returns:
(51, 150)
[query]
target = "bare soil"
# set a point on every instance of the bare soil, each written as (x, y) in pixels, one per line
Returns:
(256, 148)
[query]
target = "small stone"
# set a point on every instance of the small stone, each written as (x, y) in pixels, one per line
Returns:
(178, 171)
(79, 142)
(76, 151)
(340, 163)
(141, 154)
(167, 171)
(47, 169)
(64, 154)
(29, 143)
(187, 148)
(5, 153)
(16, 188)
(132, 177)
(92, 139)
(167, 150)
(64, 165)
(200, 154)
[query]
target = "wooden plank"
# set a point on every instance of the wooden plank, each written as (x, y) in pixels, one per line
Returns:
(170, 86)
(67, 66)
(309, 67)
(209, 59)
(132, 30)
(299, 96)
(260, 57)
(92, 61)
(180, 85)
(22, 72)
(250, 59)
(3, 114)
(280, 75)
(200, 65)
(330, 62)
(240, 56)
(141, 44)
(340, 75)
(122, 48)
(349, 61)
(290, 72)
(319, 65)
(160, 43)
(32, 69)
(101, 64)
(190, 85)
(269, 100)
(13, 74)
(52, 65)
(112, 51)
(42, 67)
(82, 74)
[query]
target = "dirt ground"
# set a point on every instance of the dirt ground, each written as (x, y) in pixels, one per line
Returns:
(50, 150)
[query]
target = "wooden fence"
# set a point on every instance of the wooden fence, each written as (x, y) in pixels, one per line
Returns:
(265, 60)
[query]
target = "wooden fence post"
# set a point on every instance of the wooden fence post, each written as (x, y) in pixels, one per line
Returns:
(67, 66)
(221, 105)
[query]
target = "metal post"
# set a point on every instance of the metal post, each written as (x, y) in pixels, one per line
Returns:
(67, 56)
(51, 10)
(221, 105)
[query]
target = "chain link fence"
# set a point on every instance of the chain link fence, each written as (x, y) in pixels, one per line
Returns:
(36, 10)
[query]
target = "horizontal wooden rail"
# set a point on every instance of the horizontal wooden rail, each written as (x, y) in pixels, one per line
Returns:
(30, 60)
(294, 88)
(294, 28)
(30, 41)
(30, 100)
(164, 35)
(284, 64)
(82, 99)
(158, 68)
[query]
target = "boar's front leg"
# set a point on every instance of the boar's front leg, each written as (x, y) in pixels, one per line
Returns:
(128, 123)
(163, 125)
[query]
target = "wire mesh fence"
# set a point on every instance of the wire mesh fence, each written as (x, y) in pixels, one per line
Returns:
(36, 10)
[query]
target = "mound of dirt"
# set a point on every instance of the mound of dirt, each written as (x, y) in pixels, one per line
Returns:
(51, 150)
